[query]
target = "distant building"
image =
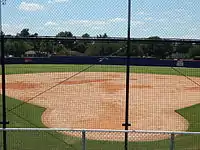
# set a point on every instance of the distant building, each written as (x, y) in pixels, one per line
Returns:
(179, 55)
(30, 54)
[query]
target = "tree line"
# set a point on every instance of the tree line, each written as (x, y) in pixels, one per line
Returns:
(42, 47)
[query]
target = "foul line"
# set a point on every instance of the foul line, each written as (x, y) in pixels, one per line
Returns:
(187, 77)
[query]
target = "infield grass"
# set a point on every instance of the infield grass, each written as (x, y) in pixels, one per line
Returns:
(29, 115)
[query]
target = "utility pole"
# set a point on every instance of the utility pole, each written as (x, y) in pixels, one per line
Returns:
(4, 121)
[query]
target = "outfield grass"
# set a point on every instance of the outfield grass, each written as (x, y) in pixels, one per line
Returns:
(20, 69)
(30, 116)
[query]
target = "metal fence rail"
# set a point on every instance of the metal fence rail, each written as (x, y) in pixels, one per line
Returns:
(83, 133)
(99, 130)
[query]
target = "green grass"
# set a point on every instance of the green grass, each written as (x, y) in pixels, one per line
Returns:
(30, 116)
(21, 69)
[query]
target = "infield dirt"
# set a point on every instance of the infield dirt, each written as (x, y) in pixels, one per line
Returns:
(97, 101)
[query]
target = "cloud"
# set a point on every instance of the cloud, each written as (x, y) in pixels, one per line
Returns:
(61, 1)
(190, 36)
(161, 20)
(86, 22)
(78, 26)
(30, 6)
(180, 21)
(13, 29)
(89, 25)
(115, 20)
(179, 10)
(100, 22)
(143, 13)
(149, 18)
(51, 23)
(57, 1)
(136, 22)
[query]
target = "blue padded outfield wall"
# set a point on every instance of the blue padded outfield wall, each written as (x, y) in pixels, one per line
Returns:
(103, 61)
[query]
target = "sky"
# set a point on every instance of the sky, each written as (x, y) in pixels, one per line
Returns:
(163, 18)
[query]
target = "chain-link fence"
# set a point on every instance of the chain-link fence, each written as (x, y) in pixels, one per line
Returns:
(89, 92)
(100, 65)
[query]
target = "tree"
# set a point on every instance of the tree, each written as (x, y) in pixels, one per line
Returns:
(194, 51)
(86, 35)
(24, 33)
(36, 45)
(113, 49)
(136, 50)
(102, 36)
(106, 49)
(94, 49)
(80, 47)
(65, 34)
(8, 47)
(67, 43)
(17, 48)
(20, 47)
(60, 49)
(183, 47)
(46, 46)
(158, 49)
(34, 35)
(2, 33)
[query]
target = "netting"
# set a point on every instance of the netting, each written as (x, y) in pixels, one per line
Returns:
(67, 64)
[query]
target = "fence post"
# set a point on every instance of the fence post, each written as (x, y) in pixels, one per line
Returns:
(172, 146)
(4, 121)
(127, 124)
(83, 140)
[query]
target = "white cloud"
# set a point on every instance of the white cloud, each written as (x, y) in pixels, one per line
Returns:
(30, 6)
(97, 28)
(115, 20)
(148, 18)
(162, 20)
(143, 13)
(136, 23)
(86, 22)
(57, 1)
(78, 26)
(60, 1)
(51, 23)
(13, 29)
(179, 10)
(95, 22)
(180, 21)
(190, 36)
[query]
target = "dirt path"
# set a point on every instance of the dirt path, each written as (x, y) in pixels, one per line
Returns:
(97, 101)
